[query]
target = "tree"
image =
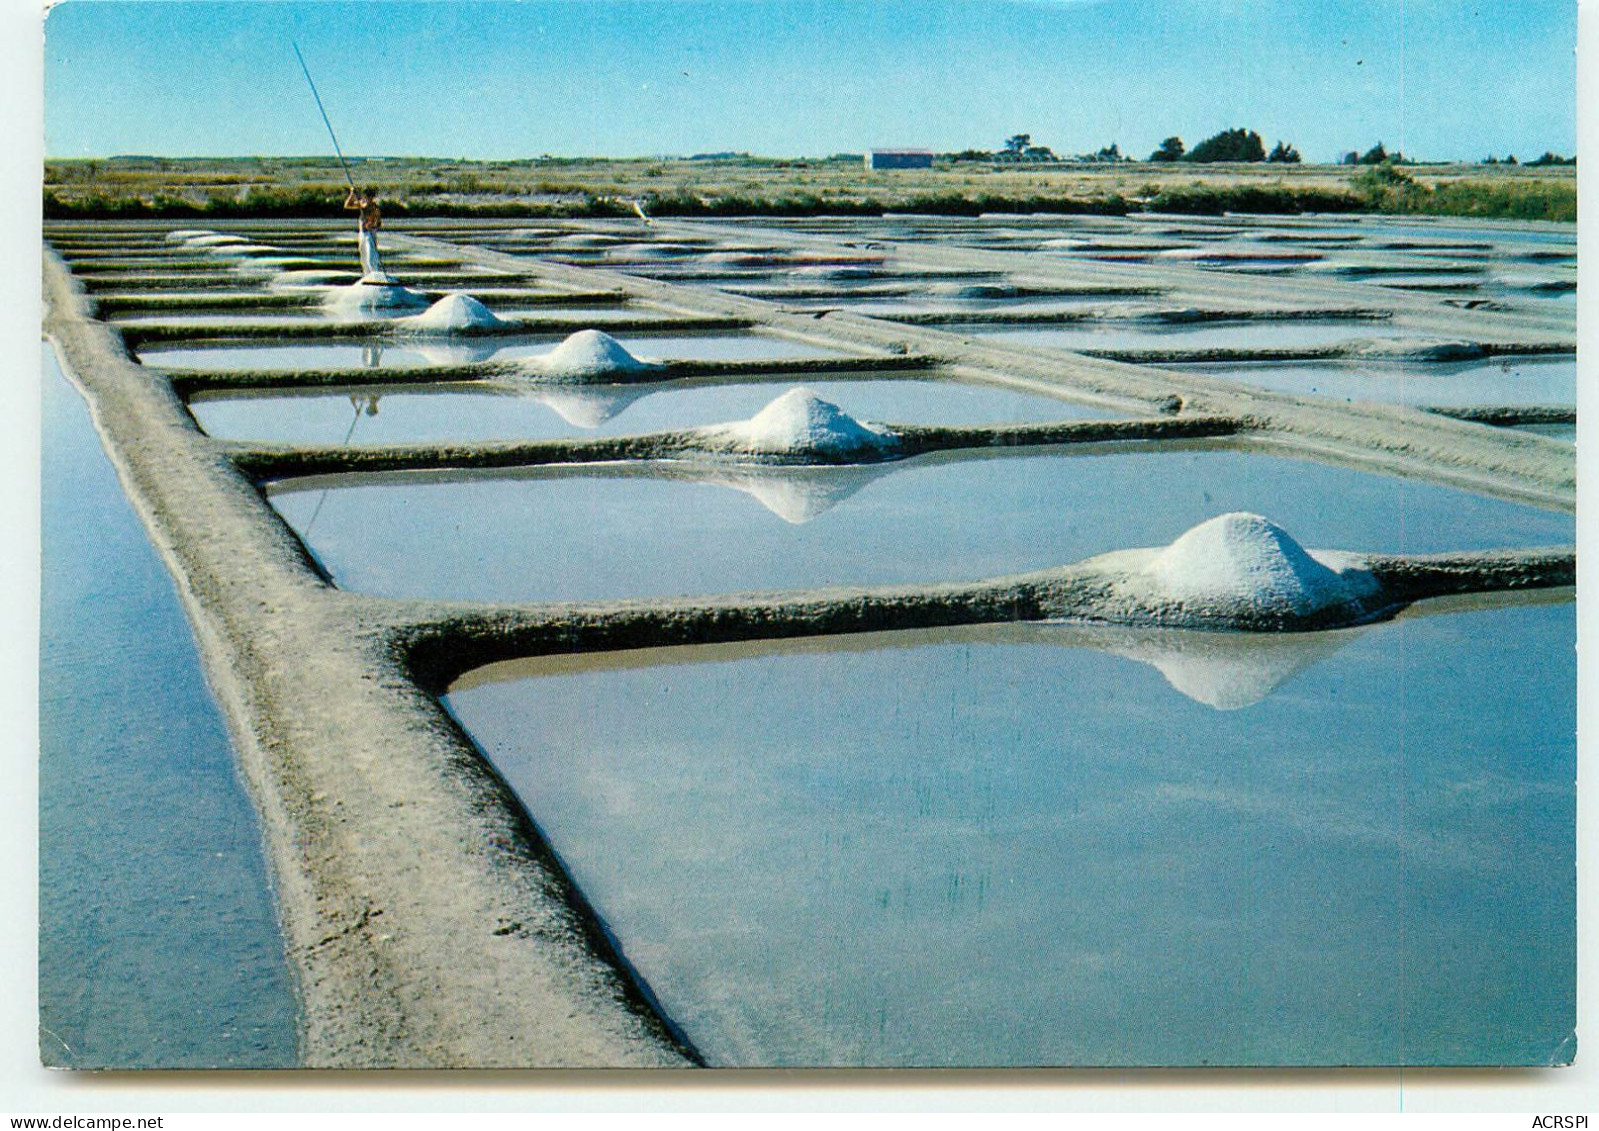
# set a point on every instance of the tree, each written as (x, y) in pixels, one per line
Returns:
(1170, 150)
(1017, 144)
(1229, 145)
(1284, 154)
(1376, 155)
(1350, 158)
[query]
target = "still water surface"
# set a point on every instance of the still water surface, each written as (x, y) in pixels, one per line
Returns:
(367, 416)
(158, 943)
(1051, 845)
(662, 528)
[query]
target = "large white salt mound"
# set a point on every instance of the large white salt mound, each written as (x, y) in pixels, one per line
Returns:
(824, 272)
(455, 311)
(972, 290)
(183, 235)
(276, 265)
(213, 239)
(1417, 349)
(586, 239)
(371, 298)
(586, 356)
(1244, 564)
(242, 249)
(309, 279)
(1537, 283)
(801, 423)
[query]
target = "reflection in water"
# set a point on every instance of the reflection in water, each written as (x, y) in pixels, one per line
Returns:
(589, 406)
(1224, 670)
(455, 353)
(796, 494)
(983, 847)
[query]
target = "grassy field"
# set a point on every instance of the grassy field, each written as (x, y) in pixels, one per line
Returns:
(248, 186)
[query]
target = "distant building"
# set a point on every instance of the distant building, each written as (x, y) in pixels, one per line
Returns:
(899, 159)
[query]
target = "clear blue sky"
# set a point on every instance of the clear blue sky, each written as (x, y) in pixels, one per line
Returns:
(1443, 78)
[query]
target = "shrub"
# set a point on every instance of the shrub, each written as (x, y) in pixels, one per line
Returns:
(1170, 150)
(1229, 145)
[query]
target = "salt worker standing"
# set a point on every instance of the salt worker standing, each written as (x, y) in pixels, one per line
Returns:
(371, 219)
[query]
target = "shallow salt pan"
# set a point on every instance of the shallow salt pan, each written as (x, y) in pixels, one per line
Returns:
(796, 844)
(1548, 380)
(1266, 334)
(671, 528)
(443, 413)
(689, 347)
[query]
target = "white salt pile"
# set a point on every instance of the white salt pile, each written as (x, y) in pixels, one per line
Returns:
(1176, 315)
(455, 311)
(1237, 568)
(363, 298)
(588, 355)
(1243, 560)
(1536, 283)
(213, 239)
(274, 265)
(1417, 349)
(836, 272)
(183, 235)
(585, 239)
(307, 279)
(241, 249)
(742, 259)
(800, 423)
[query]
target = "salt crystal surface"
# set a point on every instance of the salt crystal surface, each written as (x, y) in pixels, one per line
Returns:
(1240, 566)
(371, 298)
(1418, 349)
(801, 423)
(586, 356)
(455, 311)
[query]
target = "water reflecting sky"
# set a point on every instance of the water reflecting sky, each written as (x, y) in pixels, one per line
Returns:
(994, 847)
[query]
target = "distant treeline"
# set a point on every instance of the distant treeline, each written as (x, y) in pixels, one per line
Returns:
(1232, 145)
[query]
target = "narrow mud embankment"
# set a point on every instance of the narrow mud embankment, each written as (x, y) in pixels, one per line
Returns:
(428, 924)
